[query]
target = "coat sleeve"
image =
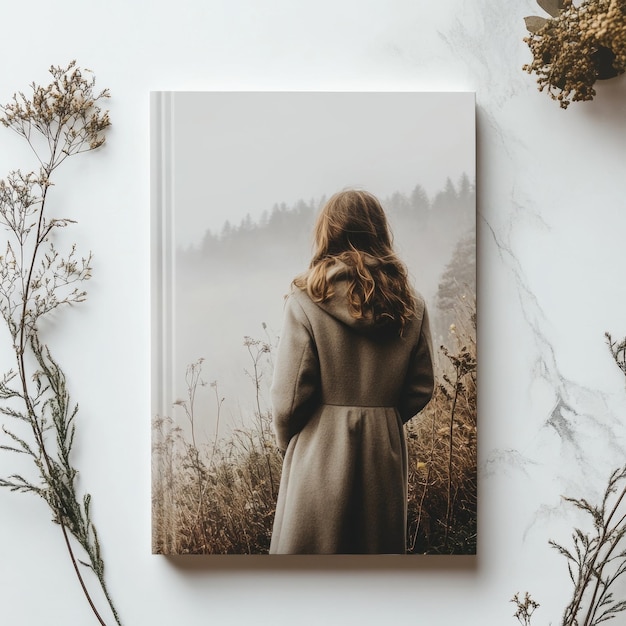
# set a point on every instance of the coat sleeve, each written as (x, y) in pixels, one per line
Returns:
(420, 380)
(296, 383)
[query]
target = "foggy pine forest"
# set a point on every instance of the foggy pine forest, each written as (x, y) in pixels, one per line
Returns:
(229, 292)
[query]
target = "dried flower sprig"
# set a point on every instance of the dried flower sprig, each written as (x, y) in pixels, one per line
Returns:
(59, 120)
(526, 606)
(576, 46)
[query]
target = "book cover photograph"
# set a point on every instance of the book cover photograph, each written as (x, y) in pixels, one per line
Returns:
(313, 303)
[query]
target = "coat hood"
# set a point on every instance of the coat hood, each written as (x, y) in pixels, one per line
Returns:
(336, 305)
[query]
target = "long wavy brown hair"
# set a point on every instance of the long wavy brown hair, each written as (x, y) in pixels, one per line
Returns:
(353, 241)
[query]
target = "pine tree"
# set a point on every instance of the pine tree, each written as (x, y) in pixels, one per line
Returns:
(457, 283)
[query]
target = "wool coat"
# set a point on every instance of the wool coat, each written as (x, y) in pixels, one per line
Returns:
(341, 392)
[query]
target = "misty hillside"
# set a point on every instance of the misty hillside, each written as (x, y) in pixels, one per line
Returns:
(425, 234)
(233, 284)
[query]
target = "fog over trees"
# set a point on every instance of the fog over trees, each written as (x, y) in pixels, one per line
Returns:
(232, 285)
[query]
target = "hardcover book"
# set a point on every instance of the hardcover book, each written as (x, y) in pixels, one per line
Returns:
(238, 183)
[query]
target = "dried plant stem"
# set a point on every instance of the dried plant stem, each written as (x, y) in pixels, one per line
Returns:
(218, 401)
(595, 564)
(35, 280)
(597, 558)
(463, 363)
(260, 349)
(450, 455)
(426, 481)
(82, 581)
(39, 439)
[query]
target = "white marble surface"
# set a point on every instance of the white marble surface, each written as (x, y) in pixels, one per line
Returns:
(552, 218)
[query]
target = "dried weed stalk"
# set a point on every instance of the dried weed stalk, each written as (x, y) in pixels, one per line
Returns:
(58, 121)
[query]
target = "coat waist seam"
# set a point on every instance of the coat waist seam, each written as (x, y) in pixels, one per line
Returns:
(361, 406)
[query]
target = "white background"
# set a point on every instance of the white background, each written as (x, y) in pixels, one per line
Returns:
(551, 225)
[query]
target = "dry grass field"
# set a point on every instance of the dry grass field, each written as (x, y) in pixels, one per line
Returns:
(218, 496)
